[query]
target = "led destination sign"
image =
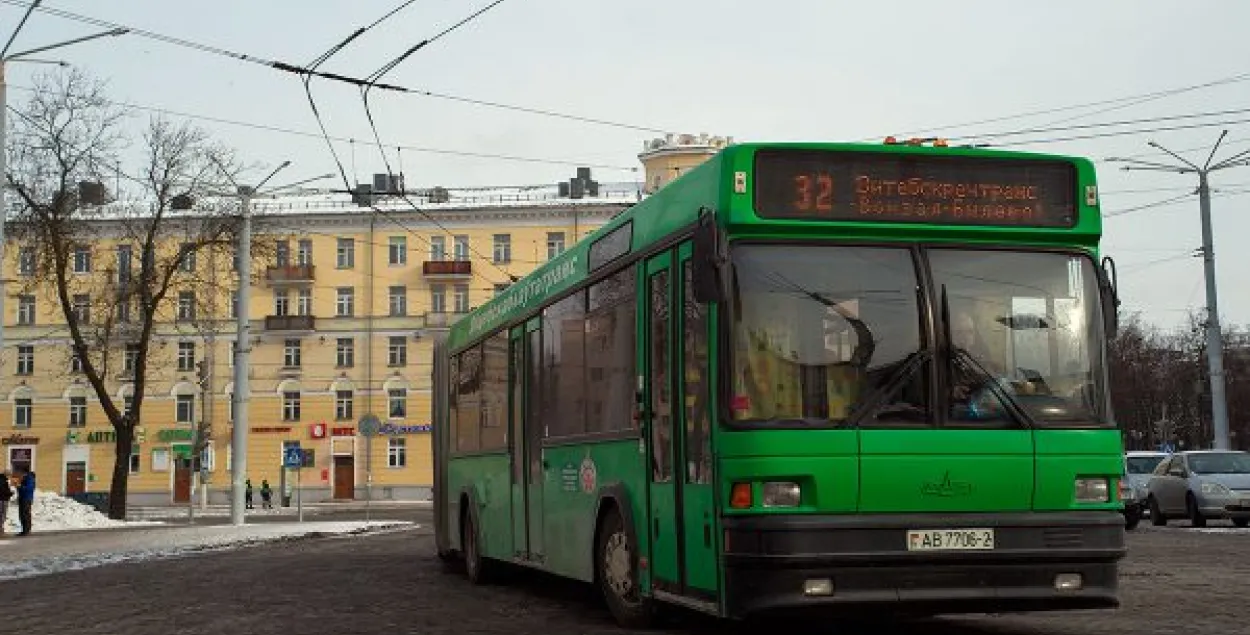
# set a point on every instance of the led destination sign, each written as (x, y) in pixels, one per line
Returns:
(862, 186)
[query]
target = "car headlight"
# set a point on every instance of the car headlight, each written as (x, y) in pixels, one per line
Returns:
(1215, 489)
(1092, 490)
(782, 494)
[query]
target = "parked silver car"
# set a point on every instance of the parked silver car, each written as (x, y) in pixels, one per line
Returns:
(1199, 485)
(1138, 467)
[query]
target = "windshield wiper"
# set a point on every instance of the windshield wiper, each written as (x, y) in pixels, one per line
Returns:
(905, 370)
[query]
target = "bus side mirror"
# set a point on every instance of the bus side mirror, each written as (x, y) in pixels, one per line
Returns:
(1107, 284)
(708, 261)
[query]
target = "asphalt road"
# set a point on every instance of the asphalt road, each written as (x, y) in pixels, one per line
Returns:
(1175, 580)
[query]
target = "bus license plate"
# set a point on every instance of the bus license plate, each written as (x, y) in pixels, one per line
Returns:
(950, 539)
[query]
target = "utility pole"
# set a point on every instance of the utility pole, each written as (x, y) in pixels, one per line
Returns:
(1215, 339)
(238, 439)
(21, 56)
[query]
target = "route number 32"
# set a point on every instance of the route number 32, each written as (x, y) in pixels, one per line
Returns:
(818, 191)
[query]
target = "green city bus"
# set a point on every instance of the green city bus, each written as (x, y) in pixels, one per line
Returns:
(801, 376)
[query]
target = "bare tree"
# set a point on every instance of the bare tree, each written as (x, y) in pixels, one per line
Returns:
(68, 140)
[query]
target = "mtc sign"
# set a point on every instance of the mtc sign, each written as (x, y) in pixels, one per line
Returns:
(394, 430)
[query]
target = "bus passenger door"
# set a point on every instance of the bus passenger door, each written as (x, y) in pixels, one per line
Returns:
(517, 441)
(535, 472)
(656, 381)
(692, 429)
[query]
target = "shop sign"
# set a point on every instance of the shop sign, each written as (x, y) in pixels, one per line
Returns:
(271, 429)
(392, 429)
(102, 436)
(18, 438)
(343, 432)
(317, 431)
(176, 434)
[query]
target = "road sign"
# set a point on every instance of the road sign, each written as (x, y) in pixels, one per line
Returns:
(293, 457)
(369, 425)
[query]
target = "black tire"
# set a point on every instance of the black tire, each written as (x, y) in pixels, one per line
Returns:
(1241, 522)
(477, 568)
(620, 588)
(1195, 515)
(1132, 519)
(1156, 517)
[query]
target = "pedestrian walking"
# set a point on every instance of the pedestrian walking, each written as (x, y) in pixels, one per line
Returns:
(247, 494)
(6, 495)
(25, 499)
(266, 494)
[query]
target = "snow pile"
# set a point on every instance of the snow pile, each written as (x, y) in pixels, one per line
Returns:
(53, 512)
(173, 542)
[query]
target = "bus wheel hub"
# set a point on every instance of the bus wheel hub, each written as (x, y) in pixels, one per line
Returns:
(616, 564)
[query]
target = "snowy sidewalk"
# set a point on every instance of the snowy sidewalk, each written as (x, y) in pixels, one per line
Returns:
(35, 555)
(179, 512)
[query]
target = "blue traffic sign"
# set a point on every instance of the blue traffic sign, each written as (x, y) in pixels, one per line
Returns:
(293, 457)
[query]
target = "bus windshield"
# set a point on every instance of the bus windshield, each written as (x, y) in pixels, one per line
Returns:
(818, 329)
(1031, 322)
(831, 335)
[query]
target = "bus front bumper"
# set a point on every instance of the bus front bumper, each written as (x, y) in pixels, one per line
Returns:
(1039, 561)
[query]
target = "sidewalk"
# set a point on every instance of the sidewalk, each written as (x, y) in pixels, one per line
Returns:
(212, 511)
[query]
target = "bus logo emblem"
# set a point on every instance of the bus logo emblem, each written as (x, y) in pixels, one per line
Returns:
(946, 488)
(588, 475)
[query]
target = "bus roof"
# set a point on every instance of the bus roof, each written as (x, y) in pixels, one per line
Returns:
(727, 183)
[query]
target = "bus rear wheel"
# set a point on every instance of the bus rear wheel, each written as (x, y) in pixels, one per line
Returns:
(616, 569)
(477, 568)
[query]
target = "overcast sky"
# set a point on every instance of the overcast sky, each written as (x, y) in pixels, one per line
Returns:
(779, 70)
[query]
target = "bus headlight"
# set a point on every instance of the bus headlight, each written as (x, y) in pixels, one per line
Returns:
(781, 494)
(1092, 490)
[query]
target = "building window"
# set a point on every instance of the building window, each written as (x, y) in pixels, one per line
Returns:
(462, 298)
(399, 301)
(345, 352)
(26, 261)
(343, 405)
(25, 310)
(23, 413)
(397, 403)
(461, 245)
(82, 260)
(438, 248)
(396, 452)
(555, 244)
(188, 257)
(82, 308)
(304, 255)
(438, 298)
(290, 406)
(282, 253)
(77, 412)
(186, 356)
(281, 302)
(397, 351)
(123, 310)
(304, 306)
(25, 359)
(345, 304)
(185, 408)
(503, 248)
(186, 305)
(128, 404)
(75, 363)
(346, 253)
(130, 359)
(397, 250)
(234, 304)
(291, 354)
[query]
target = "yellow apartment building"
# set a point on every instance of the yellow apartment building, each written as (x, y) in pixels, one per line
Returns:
(342, 314)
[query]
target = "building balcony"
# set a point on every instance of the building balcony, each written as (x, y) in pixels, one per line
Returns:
(447, 268)
(290, 274)
(290, 323)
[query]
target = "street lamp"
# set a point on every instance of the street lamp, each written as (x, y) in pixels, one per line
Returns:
(21, 56)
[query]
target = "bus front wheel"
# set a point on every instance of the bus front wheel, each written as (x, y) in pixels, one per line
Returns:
(616, 565)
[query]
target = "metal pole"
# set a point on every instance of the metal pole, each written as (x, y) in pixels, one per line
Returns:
(238, 442)
(299, 492)
(1215, 340)
(368, 474)
(4, 184)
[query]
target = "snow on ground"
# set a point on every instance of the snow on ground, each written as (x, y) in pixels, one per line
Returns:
(53, 512)
(141, 546)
